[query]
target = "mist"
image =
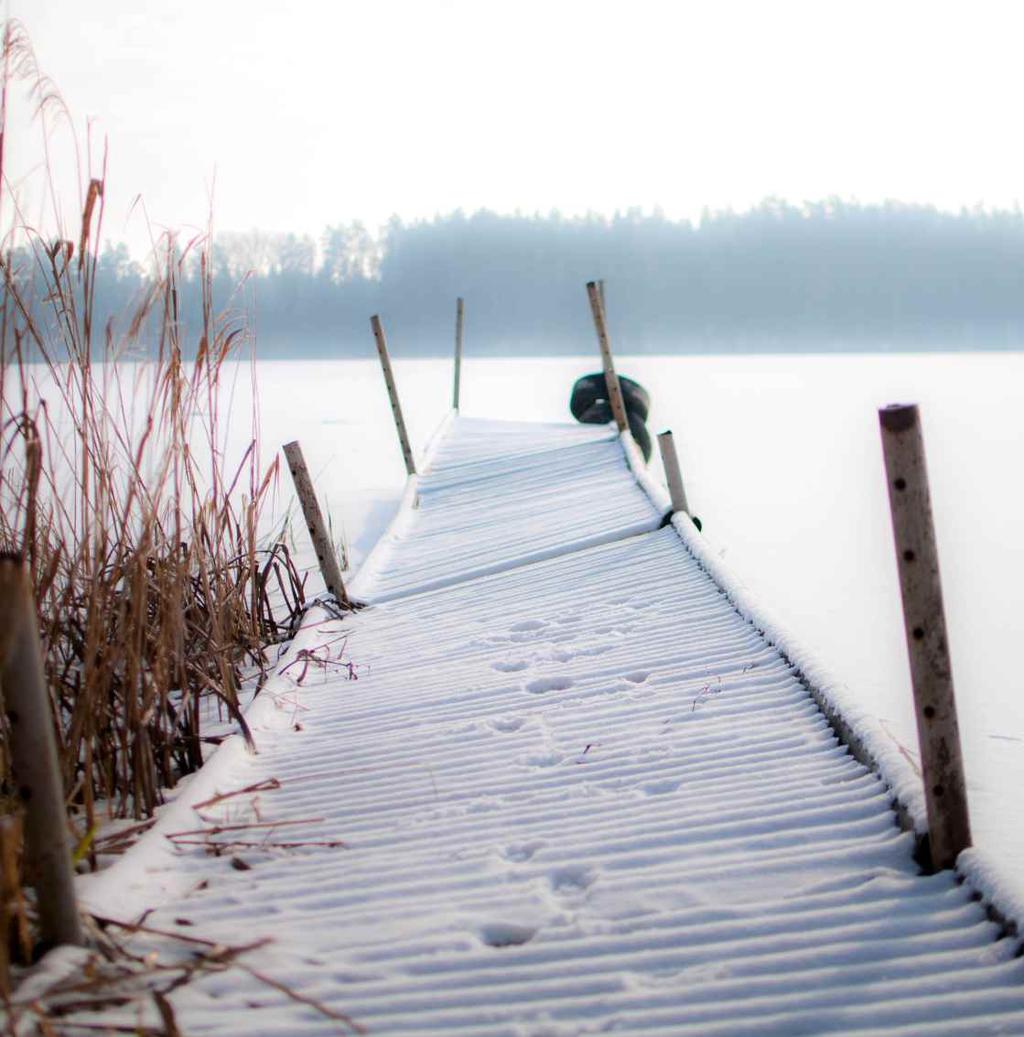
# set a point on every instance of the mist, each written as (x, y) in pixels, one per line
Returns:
(822, 277)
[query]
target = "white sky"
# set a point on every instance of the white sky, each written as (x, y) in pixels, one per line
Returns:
(318, 112)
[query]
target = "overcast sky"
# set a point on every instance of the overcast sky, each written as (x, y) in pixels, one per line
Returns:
(311, 113)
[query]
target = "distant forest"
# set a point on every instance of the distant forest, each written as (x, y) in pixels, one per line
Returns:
(821, 277)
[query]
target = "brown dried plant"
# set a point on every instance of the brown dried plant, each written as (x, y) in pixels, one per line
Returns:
(154, 590)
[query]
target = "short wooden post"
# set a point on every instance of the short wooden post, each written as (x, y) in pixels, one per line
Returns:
(611, 379)
(670, 462)
(325, 553)
(34, 758)
(458, 353)
(949, 828)
(396, 407)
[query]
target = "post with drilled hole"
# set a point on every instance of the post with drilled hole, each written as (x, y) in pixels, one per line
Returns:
(949, 828)
(611, 379)
(389, 380)
(458, 353)
(670, 462)
(325, 553)
(34, 758)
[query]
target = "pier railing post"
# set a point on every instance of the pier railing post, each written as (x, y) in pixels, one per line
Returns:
(611, 379)
(396, 407)
(949, 829)
(670, 462)
(325, 553)
(34, 761)
(458, 353)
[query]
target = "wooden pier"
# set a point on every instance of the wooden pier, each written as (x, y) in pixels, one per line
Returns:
(581, 789)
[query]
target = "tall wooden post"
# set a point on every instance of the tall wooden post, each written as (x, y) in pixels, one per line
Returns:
(389, 380)
(458, 353)
(611, 379)
(34, 758)
(670, 462)
(325, 553)
(949, 828)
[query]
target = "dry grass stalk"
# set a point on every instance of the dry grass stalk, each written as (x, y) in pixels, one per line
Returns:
(15, 940)
(153, 587)
(112, 990)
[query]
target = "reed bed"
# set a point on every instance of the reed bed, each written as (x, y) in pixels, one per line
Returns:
(156, 595)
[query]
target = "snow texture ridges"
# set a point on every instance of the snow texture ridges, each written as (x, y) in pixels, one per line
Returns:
(586, 794)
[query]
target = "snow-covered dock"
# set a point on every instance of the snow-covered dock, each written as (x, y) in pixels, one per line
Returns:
(580, 792)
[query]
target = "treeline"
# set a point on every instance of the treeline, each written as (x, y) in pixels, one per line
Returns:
(820, 277)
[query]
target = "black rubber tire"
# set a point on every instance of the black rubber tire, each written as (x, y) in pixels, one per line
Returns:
(591, 388)
(640, 434)
(599, 413)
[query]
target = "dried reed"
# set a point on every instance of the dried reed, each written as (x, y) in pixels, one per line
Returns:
(154, 590)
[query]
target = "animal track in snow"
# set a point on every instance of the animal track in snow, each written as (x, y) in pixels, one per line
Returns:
(659, 788)
(520, 853)
(527, 624)
(571, 878)
(545, 684)
(506, 934)
(551, 758)
(636, 677)
(507, 724)
(510, 666)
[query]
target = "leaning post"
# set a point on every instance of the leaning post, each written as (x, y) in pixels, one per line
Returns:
(611, 379)
(458, 353)
(945, 787)
(670, 462)
(325, 553)
(396, 407)
(34, 758)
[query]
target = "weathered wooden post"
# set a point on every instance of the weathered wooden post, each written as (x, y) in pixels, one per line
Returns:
(611, 379)
(458, 353)
(396, 407)
(949, 828)
(670, 462)
(34, 758)
(325, 553)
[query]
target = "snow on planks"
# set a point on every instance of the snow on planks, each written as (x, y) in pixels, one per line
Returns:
(579, 796)
(500, 495)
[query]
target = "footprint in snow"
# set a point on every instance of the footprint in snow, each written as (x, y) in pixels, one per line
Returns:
(659, 788)
(571, 878)
(549, 759)
(520, 853)
(527, 624)
(637, 676)
(506, 934)
(544, 684)
(507, 724)
(509, 666)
